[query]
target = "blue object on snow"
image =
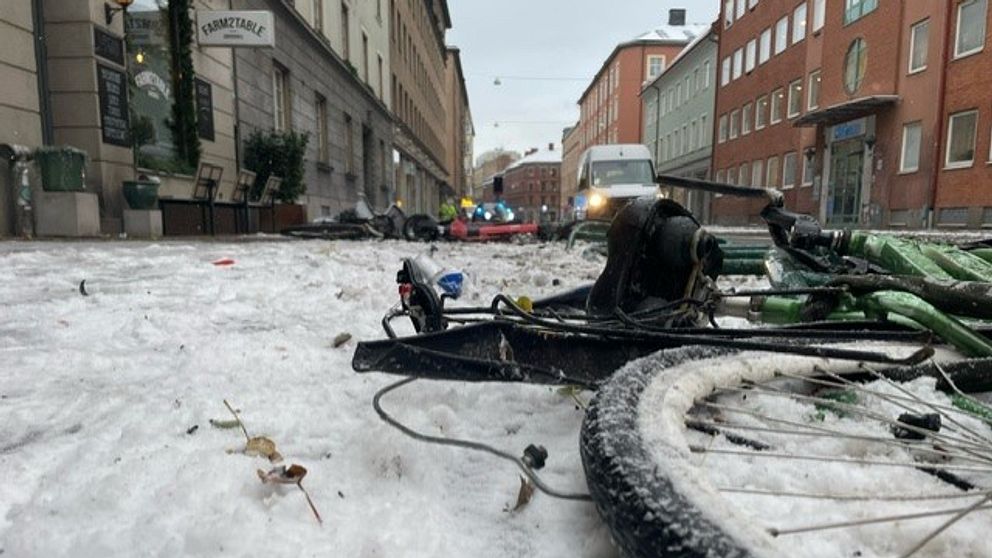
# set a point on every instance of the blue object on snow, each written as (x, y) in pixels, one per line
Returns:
(451, 283)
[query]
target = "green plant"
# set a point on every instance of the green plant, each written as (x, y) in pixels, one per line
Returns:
(280, 154)
(183, 123)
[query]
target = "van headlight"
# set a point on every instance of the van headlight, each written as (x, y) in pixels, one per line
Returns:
(597, 201)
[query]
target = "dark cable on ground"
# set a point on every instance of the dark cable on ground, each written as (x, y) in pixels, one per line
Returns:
(467, 444)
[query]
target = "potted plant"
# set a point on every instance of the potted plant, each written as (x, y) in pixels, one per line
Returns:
(63, 168)
(141, 194)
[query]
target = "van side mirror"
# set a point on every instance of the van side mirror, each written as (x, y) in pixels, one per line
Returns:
(583, 183)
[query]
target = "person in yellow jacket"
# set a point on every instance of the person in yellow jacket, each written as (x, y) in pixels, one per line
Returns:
(447, 212)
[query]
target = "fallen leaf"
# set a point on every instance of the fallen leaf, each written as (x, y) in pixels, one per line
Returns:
(224, 424)
(341, 339)
(525, 494)
(260, 445)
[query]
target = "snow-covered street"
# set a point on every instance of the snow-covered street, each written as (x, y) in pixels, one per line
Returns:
(106, 444)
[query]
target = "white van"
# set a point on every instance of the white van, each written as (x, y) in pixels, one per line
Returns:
(610, 176)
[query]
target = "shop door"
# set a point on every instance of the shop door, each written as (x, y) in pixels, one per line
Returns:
(846, 168)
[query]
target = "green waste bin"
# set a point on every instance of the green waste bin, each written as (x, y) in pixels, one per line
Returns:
(63, 169)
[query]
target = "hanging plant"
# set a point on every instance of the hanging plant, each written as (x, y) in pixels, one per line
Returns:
(183, 123)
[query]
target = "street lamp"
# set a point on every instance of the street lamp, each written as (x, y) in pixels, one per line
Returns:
(109, 11)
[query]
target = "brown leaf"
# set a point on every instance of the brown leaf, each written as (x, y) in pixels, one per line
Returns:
(260, 445)
(283, 475)
(525, 494)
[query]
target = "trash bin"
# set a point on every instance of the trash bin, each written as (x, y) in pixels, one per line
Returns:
(63, 169)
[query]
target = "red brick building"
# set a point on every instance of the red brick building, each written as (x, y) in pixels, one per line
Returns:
(610, 108)
(532, 185)
(837, 102)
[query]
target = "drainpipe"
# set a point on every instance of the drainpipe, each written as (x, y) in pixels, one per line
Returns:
(41, 60)
(941, 105)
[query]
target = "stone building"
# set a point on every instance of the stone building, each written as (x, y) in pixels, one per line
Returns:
(490, 164)
(311, 83)
(417, 64)
(460, 131)
(678, 118)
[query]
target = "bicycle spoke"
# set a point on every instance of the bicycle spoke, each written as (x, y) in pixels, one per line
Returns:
(853, 497)
(828, 459)
(775, 532)
(960, 515)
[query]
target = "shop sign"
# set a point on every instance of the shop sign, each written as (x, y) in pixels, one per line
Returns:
(848, 130)
(235, 29)
(107, 46)
(114, 118)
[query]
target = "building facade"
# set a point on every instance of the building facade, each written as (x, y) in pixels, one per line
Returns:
(305, 85)
(963, 196)
(570, 154)
(460, 131)
(532, 186)
(845, 105)
(610, 109)
(490, 164)
(678, 118)
(418, 69)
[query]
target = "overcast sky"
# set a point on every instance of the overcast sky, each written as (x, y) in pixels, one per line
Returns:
(557, 46)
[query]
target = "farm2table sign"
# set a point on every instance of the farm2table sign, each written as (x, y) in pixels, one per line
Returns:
(235, 29)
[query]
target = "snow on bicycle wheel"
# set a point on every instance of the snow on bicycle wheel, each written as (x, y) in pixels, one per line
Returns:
(696, 452)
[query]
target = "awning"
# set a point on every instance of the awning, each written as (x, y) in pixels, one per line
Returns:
(849, 110)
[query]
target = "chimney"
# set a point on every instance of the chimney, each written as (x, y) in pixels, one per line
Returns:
(676, 17)
(551, 147)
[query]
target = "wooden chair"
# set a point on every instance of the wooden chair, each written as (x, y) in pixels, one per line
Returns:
(205, 191)
(242, 190)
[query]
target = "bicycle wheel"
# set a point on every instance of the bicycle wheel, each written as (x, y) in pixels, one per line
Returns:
(710, 452)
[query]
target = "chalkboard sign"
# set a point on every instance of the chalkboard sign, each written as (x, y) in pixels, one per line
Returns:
(204, 109)
(114, 118)
(107, 46)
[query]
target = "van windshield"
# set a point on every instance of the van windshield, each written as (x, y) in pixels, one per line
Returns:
(609, 173)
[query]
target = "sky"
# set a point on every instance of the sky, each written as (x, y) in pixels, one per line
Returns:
(545, 53)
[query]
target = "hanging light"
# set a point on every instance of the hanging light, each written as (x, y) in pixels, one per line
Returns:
(497, 82)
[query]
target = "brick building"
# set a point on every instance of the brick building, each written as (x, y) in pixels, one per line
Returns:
(532, 185)
(847, 106)
(570, 154)
(610, 107)
(490, 164)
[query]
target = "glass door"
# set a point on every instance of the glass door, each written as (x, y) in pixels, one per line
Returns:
(847, 165)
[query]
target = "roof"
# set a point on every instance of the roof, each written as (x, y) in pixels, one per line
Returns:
(670, 34)
(662, 35)
(848, 110)
(543, 157)
(685, 52)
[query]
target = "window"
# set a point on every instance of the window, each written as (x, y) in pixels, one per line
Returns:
(961, 134)
(656, 65)
(349, 144)
(765, 46)
(280, 98)
(778, 102)
(318, 15)
(819, 14)
(781, 35)
(857, 9)
(744, 176)
(678, 95)
(704, 133)
(790, 166)
(697, 79)
(722, 133)
(692, 136)
(675, 144)
(735, 124)
(741, 9)
(855, 64)
(685, 139)
(732, 175)
(381, 70)
(706, 74)
(911, 136)
(751, 4)
(799, 23)
(738, 63)
(795, 98)
(721, 177)
(761, 112)
(728, 14)
(971, 28)
(725, 72)
(918, 45)
(813, 96)
(345, 33)
(320, 114)
(758, 174)
(808, 167)
(365, 58)
(771, 172)
(747, 113)
(688, 89)
(751, 55)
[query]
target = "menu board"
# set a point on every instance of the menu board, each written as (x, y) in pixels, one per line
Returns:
(112, 87)
(107, 46)
(204, 109)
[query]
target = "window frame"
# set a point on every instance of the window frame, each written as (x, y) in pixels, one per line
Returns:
(758, 168)
(751, 56)
(797, 99)
(281, 101)
(758, 125)
(957, 30)
(735, 117)
(723, 128)
(950, 135)
(794, 157)
(819, 15)
(918, 125)
(776, 94)
(912, 46)
(799, 27)
(747, 114)
(808, 168)
(781, 36)
(810, 104)
(765, 46)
